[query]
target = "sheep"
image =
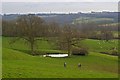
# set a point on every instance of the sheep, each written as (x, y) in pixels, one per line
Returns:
(79, 65)
(65, 64)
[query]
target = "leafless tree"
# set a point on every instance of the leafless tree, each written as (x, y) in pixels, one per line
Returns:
(105, 33)
(29, 27)
(53, 29)
(69, 37)
(8, 28)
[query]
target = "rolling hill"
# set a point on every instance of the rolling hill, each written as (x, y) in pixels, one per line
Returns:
(18, 64)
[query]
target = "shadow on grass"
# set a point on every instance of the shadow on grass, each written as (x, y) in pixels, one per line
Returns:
(24, 51)
(36, 52)
(29, 52)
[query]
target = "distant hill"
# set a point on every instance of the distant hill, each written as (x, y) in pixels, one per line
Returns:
(94, 20)
(69, 18)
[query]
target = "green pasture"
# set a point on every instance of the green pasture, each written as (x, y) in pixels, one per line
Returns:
(16, 63)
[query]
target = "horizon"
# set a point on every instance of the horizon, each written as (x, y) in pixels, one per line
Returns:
(61, 12)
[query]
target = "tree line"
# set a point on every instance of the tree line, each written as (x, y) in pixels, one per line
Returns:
(33, 28)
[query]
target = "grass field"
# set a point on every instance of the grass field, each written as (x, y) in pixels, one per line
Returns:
(100, 45)
(18, 64)
(93, 19)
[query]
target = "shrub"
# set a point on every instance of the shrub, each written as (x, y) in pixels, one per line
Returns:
(80, 51)
(114, 52)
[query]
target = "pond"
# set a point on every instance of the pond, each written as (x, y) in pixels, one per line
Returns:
(56, 55)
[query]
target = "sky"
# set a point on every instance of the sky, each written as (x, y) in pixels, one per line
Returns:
(59, 0)
(58, 6)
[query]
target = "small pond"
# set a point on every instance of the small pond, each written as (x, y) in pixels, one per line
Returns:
(56, 55)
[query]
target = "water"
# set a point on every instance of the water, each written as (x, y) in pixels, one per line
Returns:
(56, 55)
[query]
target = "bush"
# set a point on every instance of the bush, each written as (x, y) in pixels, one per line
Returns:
(114, 52)
(80, 51)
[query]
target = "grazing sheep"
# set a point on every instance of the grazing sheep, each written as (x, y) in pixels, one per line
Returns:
(79, 65)
(64, 64)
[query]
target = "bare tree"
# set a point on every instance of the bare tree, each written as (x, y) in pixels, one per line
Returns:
(8, 28)
(106, 34)
(69, 37)
(29, 27)
(53, 29)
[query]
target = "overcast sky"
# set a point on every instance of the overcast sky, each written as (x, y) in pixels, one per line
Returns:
(65, 7)
(59, 0)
